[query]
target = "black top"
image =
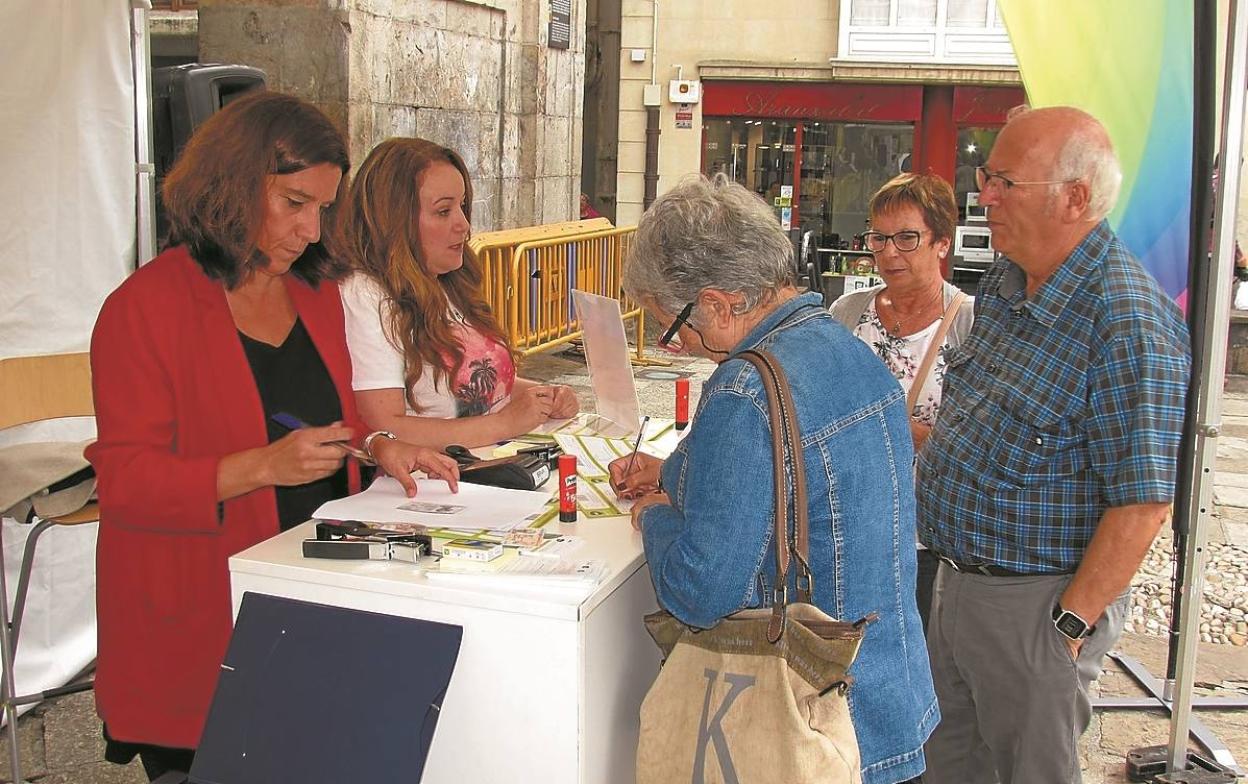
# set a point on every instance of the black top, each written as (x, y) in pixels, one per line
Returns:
(292, 378)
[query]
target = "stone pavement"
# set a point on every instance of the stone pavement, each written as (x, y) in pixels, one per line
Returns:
(61, 741)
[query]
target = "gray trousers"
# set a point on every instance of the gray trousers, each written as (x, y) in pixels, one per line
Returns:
(1012, 701)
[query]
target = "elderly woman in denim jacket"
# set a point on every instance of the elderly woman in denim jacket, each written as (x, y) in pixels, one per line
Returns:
(711, 264)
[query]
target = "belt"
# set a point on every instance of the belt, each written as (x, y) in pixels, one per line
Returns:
(992, 570)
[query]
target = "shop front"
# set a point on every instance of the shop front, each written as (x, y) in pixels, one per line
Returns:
(817, 151)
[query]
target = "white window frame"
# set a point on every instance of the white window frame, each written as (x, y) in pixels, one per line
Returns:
(936, 44)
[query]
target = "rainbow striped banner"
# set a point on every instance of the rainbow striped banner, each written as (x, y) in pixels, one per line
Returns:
(1129, 64)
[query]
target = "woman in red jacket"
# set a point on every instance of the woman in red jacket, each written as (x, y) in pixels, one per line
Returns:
(191, 357)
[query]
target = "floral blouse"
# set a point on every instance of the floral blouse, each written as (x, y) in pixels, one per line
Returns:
(902, 356)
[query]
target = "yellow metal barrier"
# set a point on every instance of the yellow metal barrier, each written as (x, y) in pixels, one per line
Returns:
(496, 251)
(537, 310)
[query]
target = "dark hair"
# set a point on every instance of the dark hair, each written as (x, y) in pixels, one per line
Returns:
(381, 238)
(214, 195)
(930, 194)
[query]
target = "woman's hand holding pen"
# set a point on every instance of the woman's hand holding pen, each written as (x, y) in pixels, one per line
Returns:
(641, 480)
(529, 408)
(564, 404)
(635, 478)
(305, 455)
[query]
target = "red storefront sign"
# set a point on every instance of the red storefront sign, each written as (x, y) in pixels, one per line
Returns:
(814, 101)
(985, 106)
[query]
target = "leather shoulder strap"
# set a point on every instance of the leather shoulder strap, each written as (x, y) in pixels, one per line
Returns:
(933, 351)
(786, 451)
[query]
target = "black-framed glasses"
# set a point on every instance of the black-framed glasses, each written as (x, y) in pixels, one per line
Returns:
(904, 241)
(681, 318)
(984, 178)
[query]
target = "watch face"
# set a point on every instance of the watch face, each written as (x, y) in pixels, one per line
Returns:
(1071, 625)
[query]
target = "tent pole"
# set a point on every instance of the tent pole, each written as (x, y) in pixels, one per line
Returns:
(144, 166)
(1209, 319)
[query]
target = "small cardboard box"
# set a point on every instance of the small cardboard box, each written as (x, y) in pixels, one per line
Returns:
(472, 550)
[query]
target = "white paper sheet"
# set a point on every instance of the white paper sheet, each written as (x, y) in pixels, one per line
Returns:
(473, 508)
(606, 353)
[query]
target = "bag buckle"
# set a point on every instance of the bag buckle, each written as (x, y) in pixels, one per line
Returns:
(806, 584)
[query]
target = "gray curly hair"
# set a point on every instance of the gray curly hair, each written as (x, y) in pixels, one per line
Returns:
(708, 234)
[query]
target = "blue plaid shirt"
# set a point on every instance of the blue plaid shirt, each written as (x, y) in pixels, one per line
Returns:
(1055, 408)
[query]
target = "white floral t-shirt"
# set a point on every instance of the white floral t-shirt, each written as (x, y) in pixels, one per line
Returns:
(482, 385)
(902, 356)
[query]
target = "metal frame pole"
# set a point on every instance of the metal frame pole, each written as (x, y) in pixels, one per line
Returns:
(8, 682)
(1209, 341)
(144, 165)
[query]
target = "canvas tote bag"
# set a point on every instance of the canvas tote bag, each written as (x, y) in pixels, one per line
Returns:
(760, 698)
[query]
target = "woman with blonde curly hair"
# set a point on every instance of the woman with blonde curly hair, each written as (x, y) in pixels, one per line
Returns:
(430, 361)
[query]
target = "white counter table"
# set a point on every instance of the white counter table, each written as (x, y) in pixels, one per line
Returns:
(548, 685)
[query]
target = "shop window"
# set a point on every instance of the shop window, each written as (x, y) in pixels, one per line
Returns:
(843, 165)
(758, 154)
(974, 145)
(830, 179)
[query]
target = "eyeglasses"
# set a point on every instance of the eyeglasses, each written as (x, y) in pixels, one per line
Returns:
(904, 241)
(984, 179)
(676, 325)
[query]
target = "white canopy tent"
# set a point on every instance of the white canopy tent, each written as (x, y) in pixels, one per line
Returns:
(68, 237)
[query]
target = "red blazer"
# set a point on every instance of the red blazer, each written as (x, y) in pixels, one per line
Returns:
(173, 395)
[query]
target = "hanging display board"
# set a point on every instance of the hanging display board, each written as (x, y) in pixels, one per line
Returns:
(559, 31)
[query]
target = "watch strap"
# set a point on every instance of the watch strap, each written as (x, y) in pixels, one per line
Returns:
(1058, 623)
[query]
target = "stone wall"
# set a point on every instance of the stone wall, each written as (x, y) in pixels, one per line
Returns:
(475, 75)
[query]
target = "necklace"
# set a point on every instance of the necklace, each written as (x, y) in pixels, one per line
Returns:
(899, 319)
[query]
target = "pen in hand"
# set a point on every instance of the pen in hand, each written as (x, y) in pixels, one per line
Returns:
(633, 457)
(293, 423)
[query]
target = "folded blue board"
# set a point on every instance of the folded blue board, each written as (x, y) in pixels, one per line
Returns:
(310, 693)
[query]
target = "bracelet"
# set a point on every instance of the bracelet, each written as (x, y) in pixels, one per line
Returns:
(368, 441)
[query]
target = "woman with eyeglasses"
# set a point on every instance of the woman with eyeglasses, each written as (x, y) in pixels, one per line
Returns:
(912, 222)
(915, 315)
(711, 264)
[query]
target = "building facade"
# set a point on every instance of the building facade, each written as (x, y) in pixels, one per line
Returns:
(500, 81)
(813, 104)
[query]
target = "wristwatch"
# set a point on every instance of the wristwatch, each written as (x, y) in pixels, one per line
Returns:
(368, 441)
(1070, 624)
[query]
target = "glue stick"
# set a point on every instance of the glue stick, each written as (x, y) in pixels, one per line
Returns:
(567, 488)
(682, 403)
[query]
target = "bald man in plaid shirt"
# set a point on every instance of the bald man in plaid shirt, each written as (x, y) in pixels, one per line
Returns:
(1052, 465)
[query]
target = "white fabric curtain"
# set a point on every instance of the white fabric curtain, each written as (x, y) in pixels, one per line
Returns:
(67, 238)
(67, 152)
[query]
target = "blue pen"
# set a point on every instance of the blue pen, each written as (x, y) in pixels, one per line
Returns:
(292, 423)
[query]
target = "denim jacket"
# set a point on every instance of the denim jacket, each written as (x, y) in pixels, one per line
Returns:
(710, 551)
